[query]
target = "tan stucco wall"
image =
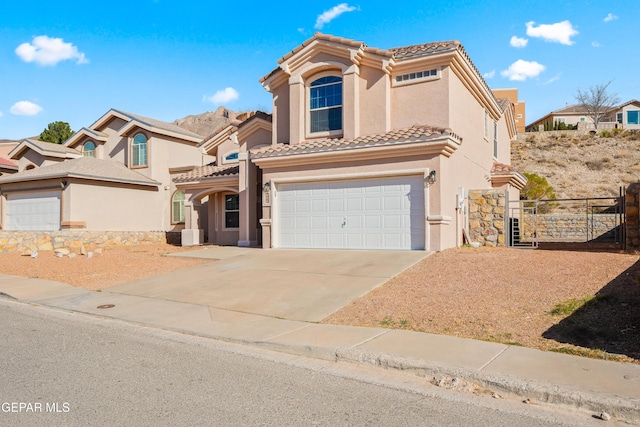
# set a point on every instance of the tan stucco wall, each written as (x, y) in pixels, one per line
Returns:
(425, 103)
(111, 207)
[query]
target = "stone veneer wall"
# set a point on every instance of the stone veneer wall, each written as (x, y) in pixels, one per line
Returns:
(632, 217)
(75, 240)
(486, 217)
(567, 227)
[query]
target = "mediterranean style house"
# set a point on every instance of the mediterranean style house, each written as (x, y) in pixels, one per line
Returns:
(623, 116)
(114, 175)
(365, 148)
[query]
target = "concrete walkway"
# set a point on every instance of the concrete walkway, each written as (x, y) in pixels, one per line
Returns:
(587, 384)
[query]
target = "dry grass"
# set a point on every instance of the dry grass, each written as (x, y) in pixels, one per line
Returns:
(580, 165)
(509, 295)
(114, 266)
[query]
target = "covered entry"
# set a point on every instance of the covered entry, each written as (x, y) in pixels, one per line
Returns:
(372, 213)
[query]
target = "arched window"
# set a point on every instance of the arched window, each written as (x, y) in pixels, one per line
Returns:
(325, 104)
(139, 150)
(230, 157)
(177, 207)
(89, 149)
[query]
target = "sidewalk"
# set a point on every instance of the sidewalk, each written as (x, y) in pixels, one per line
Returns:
(588, 384)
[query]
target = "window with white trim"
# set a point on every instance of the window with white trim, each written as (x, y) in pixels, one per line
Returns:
(232, 211)
(231, 157)
(325, 104)
(417, 75)
(486, 124)
(89, 149)
(139, 150)
(495, 139)
(177, 207)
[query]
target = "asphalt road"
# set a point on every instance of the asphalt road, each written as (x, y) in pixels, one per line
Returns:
(59, 368)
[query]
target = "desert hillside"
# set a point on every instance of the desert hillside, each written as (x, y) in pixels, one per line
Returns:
(579, 164)
(207, 123)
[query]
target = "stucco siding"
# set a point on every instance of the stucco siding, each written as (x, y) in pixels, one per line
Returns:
(421, 103)
(374, 101)
(111, 207)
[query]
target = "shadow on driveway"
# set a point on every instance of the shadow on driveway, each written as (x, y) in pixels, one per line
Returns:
(610, 322)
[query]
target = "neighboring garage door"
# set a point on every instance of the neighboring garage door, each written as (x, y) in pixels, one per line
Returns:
(33, 211)
(380, 213)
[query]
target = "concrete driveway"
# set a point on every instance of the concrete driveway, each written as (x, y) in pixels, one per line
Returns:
(305, 285)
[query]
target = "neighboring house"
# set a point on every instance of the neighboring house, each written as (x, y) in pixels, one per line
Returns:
(114, 175)
(367, 149)
(518, 106)
(7, 166)
(625, 116)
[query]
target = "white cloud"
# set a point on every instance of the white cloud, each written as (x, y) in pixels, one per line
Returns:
(489, 75)
(610, 17)
(518, 42)
(521, 70)
(223, 96)
(552, 79)
(49, 51)
(25, 108)
(331, 14)
(560, 32)
(595, 44)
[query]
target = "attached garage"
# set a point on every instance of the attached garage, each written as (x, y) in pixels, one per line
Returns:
(373, 213)
(33, 211)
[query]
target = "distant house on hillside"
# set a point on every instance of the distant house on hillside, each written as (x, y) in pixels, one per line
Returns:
(625, 116)
(518, 105)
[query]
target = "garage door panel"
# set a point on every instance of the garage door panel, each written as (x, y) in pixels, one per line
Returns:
(33, 211)
(381, 213)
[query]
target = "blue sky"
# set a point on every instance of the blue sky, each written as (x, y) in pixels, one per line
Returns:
(165, 59)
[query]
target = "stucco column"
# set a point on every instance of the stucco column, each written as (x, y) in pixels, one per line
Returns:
(247, 191)
(191, 235)
(296, 110)
(351, 103)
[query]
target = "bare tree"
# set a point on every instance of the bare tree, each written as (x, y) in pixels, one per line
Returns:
(597, 101)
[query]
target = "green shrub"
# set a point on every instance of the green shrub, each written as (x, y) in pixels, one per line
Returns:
(538, 188)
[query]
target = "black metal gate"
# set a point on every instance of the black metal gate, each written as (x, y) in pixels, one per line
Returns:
(586, 223)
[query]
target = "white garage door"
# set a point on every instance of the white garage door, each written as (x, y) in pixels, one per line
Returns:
(34, 211)
(380, 213)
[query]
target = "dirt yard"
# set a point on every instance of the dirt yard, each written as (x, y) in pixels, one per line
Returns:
(515, 296)
(114, 266)
(585, 303)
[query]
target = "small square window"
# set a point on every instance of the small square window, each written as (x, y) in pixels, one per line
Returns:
(434, 72)
(419, 74)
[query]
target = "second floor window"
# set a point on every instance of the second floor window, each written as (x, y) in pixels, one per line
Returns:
(325, 104)
(139, 150)
(89, 149)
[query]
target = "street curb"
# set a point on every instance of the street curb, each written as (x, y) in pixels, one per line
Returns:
(623, 409)
(534, 392)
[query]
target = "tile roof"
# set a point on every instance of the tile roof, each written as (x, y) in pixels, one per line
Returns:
(504, 103)
(6, 162)
(159, 124)
(413, 134)
(416, 50)
(83, 167)
(208, 171)
(499, 168)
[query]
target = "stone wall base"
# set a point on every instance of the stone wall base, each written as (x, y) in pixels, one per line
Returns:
(75, 240)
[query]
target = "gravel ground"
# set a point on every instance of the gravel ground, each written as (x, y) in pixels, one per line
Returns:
(495, 294)
(115, 266)
(507, 295)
